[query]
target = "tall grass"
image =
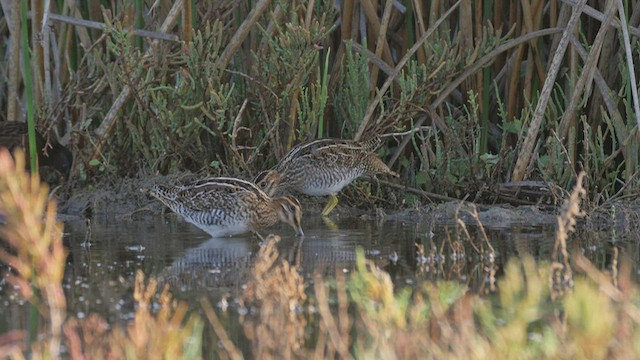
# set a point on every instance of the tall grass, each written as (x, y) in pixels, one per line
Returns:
(234, 82)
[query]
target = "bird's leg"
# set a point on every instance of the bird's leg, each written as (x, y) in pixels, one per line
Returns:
(333, 201)
(329, 223)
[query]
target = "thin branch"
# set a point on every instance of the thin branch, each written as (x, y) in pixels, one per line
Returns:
(100, 26)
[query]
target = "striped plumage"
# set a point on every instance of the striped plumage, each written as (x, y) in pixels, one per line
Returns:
(323, 167)
(228, 206)
(13, 134)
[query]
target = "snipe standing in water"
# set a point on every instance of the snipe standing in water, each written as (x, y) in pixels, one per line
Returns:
(323, 167)
(227, 206)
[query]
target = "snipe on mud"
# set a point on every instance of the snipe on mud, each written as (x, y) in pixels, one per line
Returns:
(13, 134)
(323, 167)
(228, 206)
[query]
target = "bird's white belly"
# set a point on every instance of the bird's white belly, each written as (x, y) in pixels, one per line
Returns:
(310, 189)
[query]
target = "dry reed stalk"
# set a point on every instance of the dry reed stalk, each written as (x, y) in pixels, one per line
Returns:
(629, 58)
(97, 25)
(277, 290)
(335, 329)
(453, 84)
(187, 21)
(598, 15)
(376, 29)
(81, 32)
(276, 17)
(465, 39)
(605, 92)
(226, 342)
(587, 74)
(528, 142)
(105, 128)
(38, 60)
(346, 17)
(12, 14)
(381, 42)
(421, 29)
(374, 103)
(513, 88)
(532, 21)
(241, 34)
(561, 275)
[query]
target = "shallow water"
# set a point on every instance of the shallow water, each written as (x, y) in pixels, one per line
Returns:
(99, 278)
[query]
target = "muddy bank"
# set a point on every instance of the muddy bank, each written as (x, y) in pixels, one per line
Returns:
(123, 198)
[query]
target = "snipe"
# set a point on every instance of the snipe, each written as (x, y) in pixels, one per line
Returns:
(227, 206)
(323, 167)
(13, 134)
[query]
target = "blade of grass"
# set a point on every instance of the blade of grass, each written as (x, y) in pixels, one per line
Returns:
(46, 34)
(26, 57)
(629, 57)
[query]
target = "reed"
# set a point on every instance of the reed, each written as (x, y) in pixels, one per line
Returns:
(293, 67)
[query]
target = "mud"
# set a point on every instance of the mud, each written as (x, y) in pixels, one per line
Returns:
(122, 198)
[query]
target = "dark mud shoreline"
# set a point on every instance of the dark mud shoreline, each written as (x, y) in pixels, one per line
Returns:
(122, 198)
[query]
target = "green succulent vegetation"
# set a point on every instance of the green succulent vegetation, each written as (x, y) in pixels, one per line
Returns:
(453, 87)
